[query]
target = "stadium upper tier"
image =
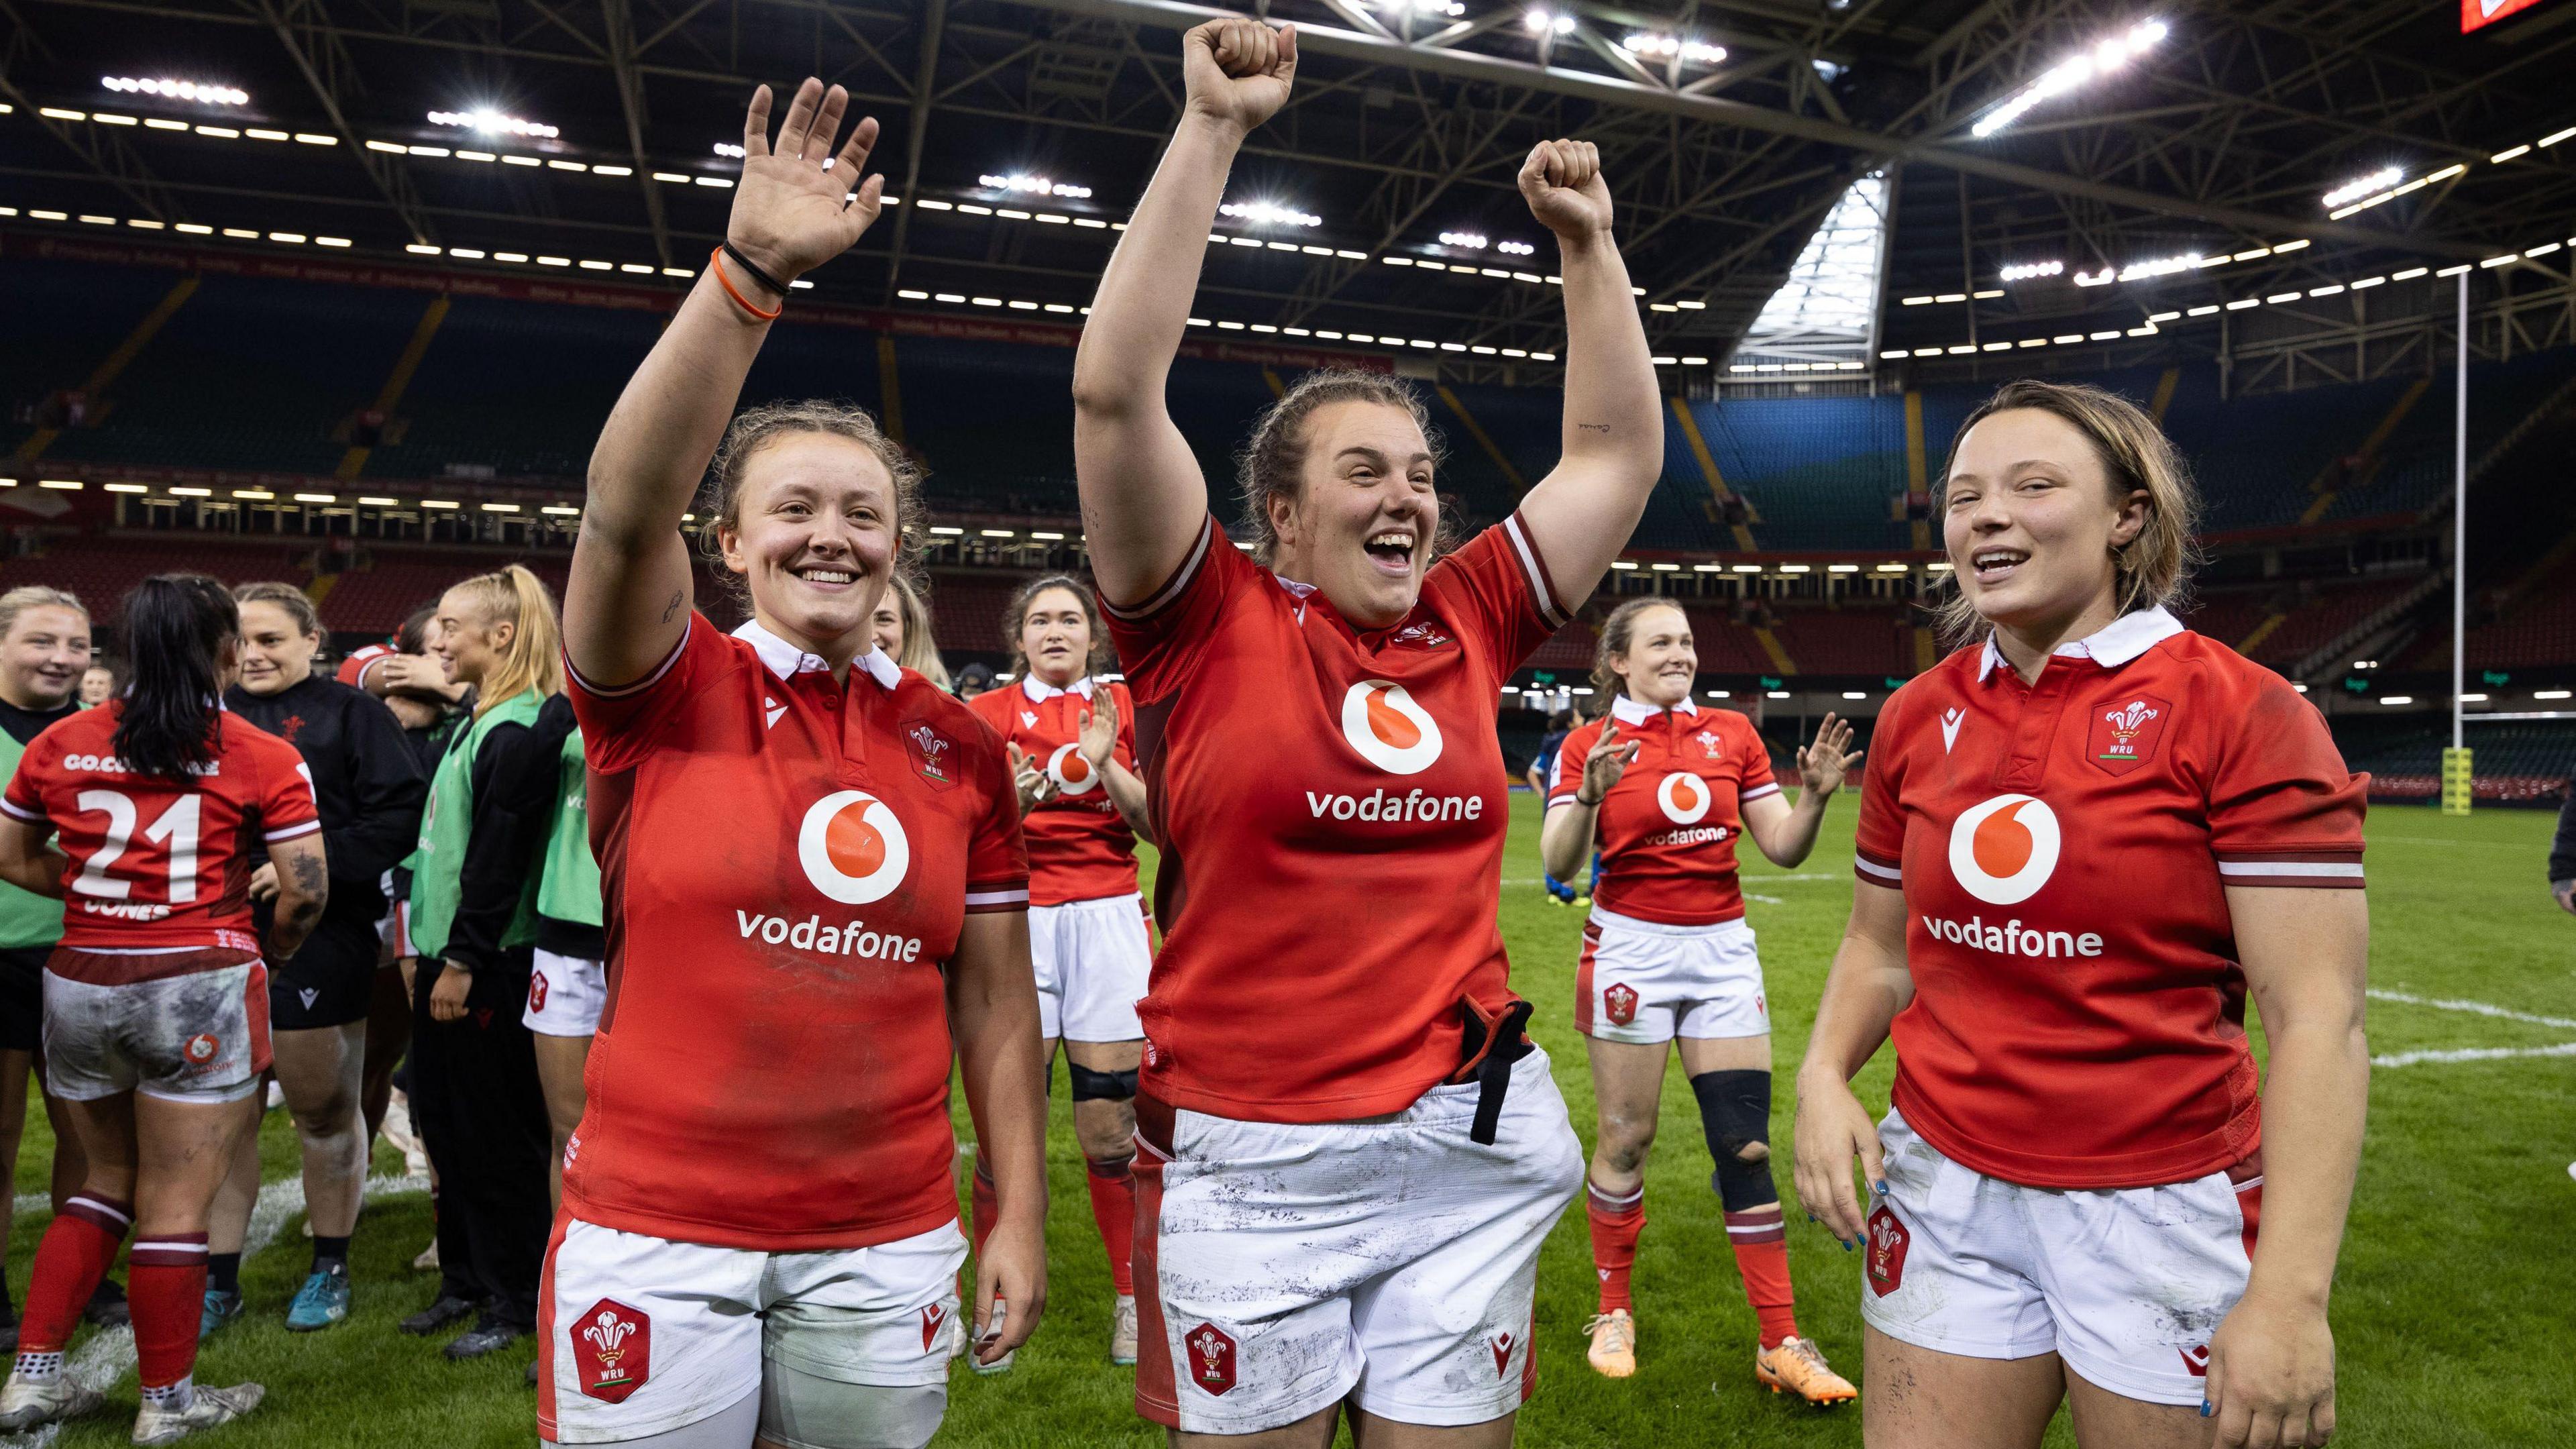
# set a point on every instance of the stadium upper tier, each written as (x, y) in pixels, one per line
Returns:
(144, 366)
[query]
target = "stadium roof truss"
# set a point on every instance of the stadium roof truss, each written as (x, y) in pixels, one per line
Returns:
(1408, 124)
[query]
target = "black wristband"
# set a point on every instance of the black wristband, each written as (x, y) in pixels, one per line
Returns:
(757, 275)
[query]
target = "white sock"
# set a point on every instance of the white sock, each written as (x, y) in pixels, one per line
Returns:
(173, 1397)
(40, 1368)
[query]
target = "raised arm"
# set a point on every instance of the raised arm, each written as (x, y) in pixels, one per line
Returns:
(1582, 513)
(1143, 497)
(1785, 833)
(627, 601)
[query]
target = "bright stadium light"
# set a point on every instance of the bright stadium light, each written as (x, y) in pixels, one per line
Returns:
(1267, 213)
(1514, 249)
(1543, 22)
(1446, 8)
(177, 90)
(1033, 186)
(2355, 190)
(1467, 239)
(1673, 47)
(492, 123)
(2066, 75)
(731, 149)
(2025, 271)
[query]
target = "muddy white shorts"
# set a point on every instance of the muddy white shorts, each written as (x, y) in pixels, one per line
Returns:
(1647, 983)
(1091, 959)
(640, 1335)
(565, 994)
(2124, 1285)
(1283, 1267)
(190, 1026)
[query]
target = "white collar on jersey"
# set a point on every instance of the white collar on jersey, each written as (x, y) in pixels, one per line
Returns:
(1629, 712)
(1039, 691)
(787, 661)
(2114, 644)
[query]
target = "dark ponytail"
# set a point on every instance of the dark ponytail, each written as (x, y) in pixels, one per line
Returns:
(173, 634)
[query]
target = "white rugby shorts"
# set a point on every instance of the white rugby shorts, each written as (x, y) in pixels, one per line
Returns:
(1284, 1267)
(1646, 983)
(2124, 1285)
(1091, 959)
(565, 994)
(639, 1335)
(199, 1037)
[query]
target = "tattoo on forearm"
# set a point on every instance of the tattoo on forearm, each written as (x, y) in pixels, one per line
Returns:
(1593, 427)
(314, 884)
(671, 610)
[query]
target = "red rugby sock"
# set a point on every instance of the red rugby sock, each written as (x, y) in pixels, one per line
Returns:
(166, 1281)
(78, 1246)
(1761, 1243)
(1113, 1209)
(1616, 1221)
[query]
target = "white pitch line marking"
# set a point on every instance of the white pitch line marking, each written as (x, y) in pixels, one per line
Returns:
(2477, 1008)
(2473, 1054)
(110, 1352)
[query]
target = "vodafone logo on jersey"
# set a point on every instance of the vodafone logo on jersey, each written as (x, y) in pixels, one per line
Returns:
(2002, 850)
(1073, 774)
(852, 847)
(1685, 798)
(1388, 729)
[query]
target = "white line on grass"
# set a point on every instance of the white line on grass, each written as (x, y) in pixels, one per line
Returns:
(2377, 839)
(2473, 1054)
(2478, 1008)
(1531, 880)
(110, 1352)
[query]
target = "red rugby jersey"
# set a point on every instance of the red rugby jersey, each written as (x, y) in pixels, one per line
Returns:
(1080, 848)
(1329, 806)
(157, 864)
(2064, 847)
(785, 864)
(353, 670)
(1667, 830)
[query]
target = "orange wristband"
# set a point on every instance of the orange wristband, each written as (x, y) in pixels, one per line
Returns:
(715, 261)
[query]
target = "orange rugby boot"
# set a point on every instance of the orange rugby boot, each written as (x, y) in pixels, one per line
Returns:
(1798, 1367)
(1614, 1343)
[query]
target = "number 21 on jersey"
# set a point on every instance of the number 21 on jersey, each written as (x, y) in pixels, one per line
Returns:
(175, 830)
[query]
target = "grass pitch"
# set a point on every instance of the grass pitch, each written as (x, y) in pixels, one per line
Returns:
(2451, 1312)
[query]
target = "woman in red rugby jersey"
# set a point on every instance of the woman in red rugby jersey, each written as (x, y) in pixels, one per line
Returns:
(1663, 788)
(2085, 839)
(815, 897)
(1352, 1151)
(1081, 804)
(156, 1001)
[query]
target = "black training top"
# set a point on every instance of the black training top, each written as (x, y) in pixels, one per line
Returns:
(24, 725)
(367, 782)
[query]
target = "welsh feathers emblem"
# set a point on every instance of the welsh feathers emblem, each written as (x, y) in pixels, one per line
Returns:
(1211, 1358)
(1619, 1003)
(2125, 732)
(612, 1345)
(1888, 1240)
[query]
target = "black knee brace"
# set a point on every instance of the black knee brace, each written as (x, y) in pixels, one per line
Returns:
(1735, 1111)
(1091, 1086)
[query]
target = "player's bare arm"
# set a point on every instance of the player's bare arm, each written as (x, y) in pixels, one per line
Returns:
(1143, 496)
(1099, 742)
(303, 888)
(2306, 955)
(1865, 989)
(1565, 837)
(993, 1018)
(28, 859)
(795, 209)
(1786, 833)
(1584, 511)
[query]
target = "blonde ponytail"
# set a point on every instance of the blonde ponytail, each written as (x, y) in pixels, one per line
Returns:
(534, 658)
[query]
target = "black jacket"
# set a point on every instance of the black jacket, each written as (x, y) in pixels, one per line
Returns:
(515, 787)
(367, 782)
(2562, 851)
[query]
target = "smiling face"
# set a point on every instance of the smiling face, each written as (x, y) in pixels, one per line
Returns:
(2030, 524)
(1055, 636)
(1360, 525)
(466, 641)
(44, 657)
(1661, 661)
(814, 534)
(885, 625)
(276, 652)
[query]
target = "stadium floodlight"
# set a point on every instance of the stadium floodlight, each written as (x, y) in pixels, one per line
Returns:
(1673, 47)
(730, 149)
(1269, 213)
(1033, 186)
(2067, 75)
(1467, 239)
(2360, 187)
(1449, 9)
(2024, 271)
(200, 92)
(1514, 248)
(492, 123)
(1542, 21)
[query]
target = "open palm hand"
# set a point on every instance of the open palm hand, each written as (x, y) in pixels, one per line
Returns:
(795, 209)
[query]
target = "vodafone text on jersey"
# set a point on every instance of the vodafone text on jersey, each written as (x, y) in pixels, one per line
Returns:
(1386, 728)
(853, 850)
